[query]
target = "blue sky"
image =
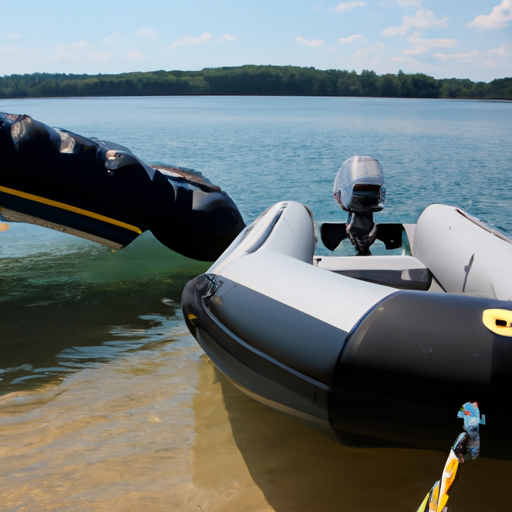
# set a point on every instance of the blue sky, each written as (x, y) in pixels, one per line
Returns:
(442, 38)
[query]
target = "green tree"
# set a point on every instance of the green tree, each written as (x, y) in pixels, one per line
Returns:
(254, 80)
(349, 85)
(390, 86)
(369, 83)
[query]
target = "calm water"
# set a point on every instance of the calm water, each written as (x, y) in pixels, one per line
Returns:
(106, 401)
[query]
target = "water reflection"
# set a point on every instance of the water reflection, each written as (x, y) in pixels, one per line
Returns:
(298, 469)
(159, 427)
(50, 341)
(74, 308)
(116, 437)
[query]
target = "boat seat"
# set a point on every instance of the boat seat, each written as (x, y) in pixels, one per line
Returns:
(402, 272)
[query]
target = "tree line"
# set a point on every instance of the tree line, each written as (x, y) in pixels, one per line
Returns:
(252, 80)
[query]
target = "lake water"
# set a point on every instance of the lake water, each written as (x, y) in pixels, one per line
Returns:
(107, 402)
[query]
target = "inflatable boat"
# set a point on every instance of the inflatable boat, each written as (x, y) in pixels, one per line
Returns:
(101, 191)
(373, 350)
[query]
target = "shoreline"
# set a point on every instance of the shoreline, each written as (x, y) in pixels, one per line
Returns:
(488, 100)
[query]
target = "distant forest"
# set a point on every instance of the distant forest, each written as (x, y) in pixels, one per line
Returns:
(252, 80)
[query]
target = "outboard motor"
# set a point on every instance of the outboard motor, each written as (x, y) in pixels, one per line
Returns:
(359, 189)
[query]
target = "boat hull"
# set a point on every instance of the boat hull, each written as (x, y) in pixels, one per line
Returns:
(397, 378)
(369, 364)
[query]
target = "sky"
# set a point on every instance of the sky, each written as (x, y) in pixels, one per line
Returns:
(441, 38)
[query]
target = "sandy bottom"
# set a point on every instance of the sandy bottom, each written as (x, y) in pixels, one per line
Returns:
(160, 428)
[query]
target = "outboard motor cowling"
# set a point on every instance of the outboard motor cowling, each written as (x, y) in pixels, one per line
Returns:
(359, 189)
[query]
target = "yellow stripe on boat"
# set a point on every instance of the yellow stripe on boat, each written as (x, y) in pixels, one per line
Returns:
(498, 321)
(69, 208)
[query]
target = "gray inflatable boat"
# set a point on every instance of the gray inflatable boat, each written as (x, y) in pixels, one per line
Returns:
(372, 350)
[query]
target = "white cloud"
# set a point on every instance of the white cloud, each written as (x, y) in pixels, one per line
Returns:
(492, 64)
(114, 38)
(423, 45)
(227, 37)
(81, 45)
(135, 56)
(314, 42)
(351, 39)
(502, 51)
(186, 40)
(147, 32)
(72, 51)
(499, 18)
(99, 56)
(405, 3)
(404, 59)
(78, 57)
(465, 57)
(12, 35)
(499, 57)
(347, 6)
(369, 55)
(421, 20)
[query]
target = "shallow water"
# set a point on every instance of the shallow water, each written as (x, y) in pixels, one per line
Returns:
(161, 428)
(106, 401)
